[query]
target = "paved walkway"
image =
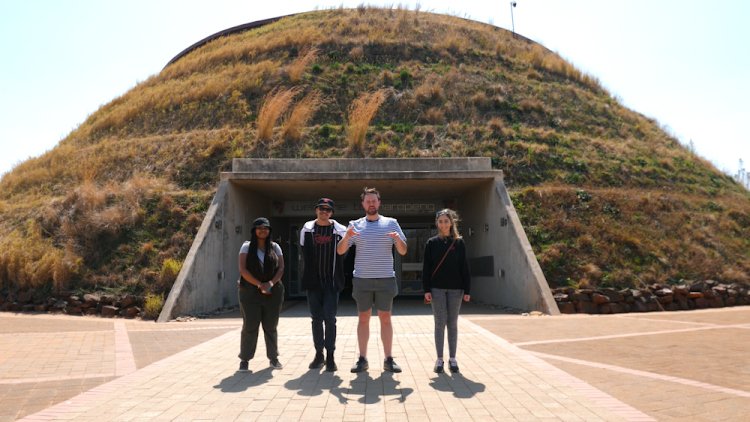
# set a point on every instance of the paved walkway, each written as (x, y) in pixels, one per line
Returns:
(687, 366)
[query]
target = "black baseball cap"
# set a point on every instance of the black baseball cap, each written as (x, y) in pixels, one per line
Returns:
(262, 222)
(325, 202)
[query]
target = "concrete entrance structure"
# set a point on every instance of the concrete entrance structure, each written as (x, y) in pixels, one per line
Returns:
(504, 268)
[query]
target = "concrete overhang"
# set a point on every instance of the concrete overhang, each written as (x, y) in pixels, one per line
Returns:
(444, 178)
(308, 186)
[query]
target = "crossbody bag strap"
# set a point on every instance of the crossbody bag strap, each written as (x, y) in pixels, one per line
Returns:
(441, 261)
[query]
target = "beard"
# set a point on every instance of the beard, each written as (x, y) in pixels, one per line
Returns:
(372, 210)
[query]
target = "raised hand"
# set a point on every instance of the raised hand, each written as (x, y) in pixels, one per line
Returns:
(393, 235)
(350, 232)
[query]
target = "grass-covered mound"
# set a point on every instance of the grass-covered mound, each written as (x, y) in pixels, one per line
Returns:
(606, 196)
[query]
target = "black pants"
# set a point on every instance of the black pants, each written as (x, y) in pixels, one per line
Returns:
(257, 310)
(323, 304)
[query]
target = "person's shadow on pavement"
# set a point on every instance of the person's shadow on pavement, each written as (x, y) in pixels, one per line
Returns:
(313, 382)
(460, 386)
(372, 388)
(241, 381)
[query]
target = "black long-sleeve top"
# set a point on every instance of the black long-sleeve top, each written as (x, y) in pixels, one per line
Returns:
(453, 272)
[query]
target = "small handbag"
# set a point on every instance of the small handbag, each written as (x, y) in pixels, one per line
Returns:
(427, 302)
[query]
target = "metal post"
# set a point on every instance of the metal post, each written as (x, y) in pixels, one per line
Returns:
(512, 5)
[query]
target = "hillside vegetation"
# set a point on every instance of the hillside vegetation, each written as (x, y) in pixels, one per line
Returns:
(607, 197)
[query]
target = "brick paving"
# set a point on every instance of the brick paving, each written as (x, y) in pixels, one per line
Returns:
(682, 366)
(686, 366)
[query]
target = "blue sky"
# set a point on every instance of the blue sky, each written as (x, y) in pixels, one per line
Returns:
(684, 63)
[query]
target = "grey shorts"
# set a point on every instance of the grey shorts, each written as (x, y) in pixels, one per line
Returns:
(377, 291)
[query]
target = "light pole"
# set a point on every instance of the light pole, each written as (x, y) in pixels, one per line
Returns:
(512, 5)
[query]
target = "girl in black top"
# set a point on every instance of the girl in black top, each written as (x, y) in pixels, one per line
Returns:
(260, 293)
(446, 280)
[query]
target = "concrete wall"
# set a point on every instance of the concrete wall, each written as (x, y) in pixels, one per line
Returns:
(197, 286)
(244, 206)
(208, 279)
(522, 285)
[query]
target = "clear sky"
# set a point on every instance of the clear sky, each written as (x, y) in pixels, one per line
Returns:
(685, 63)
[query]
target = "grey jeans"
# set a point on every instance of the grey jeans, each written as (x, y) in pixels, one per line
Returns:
(446, 303)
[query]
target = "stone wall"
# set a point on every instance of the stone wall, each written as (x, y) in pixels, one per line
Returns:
(128, 306)
(656, 297)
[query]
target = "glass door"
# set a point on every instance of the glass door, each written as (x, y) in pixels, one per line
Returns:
(295, 263)
(409, 266)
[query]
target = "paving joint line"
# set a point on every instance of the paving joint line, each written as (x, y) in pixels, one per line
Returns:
(599, 397)
(650, 333)
(636, 318)
(54, 333)
(50, 379)
(678, 380)
(184, 329)
(124, 359)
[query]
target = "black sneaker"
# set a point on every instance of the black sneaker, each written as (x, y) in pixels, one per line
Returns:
(243, 366)
(390, 365)
(275, 364)
(330, 363)
(453, 365)
(439, 366)
(361, 365)
(318, 362)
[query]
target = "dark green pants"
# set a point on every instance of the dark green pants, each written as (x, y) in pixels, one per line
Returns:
(257, 310)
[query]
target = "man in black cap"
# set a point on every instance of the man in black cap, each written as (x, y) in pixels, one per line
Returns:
(323, 278)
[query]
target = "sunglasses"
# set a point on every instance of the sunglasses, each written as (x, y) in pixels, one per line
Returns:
(325, 209)
(441, 212)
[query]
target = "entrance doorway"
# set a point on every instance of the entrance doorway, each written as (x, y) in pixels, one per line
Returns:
(409, 267)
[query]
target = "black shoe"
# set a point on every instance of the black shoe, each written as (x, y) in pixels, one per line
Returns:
(275, 364)
(439, 366)
(330, 363)
(361, 365)
(453, 365)
(390, 365)
(318, 362)
(243, 366)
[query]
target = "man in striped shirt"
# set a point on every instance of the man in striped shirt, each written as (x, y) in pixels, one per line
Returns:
(374, 280)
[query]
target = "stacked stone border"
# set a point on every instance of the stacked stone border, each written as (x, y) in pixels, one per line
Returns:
(65, 302)
(653, 298)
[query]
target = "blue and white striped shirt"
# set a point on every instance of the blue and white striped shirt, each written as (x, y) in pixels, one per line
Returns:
(374, 256)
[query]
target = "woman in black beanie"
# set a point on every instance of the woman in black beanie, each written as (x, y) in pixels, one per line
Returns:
(261, 293)
(446, 281)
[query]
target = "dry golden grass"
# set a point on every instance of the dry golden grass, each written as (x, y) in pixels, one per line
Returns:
(27, 260)
(175, 92)
(303, 112)
(357, 52)
(186, 123)
(307, 55)
(361, 112)
(434, 116)
(430, 90)
(480, 99)
(276, 102)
